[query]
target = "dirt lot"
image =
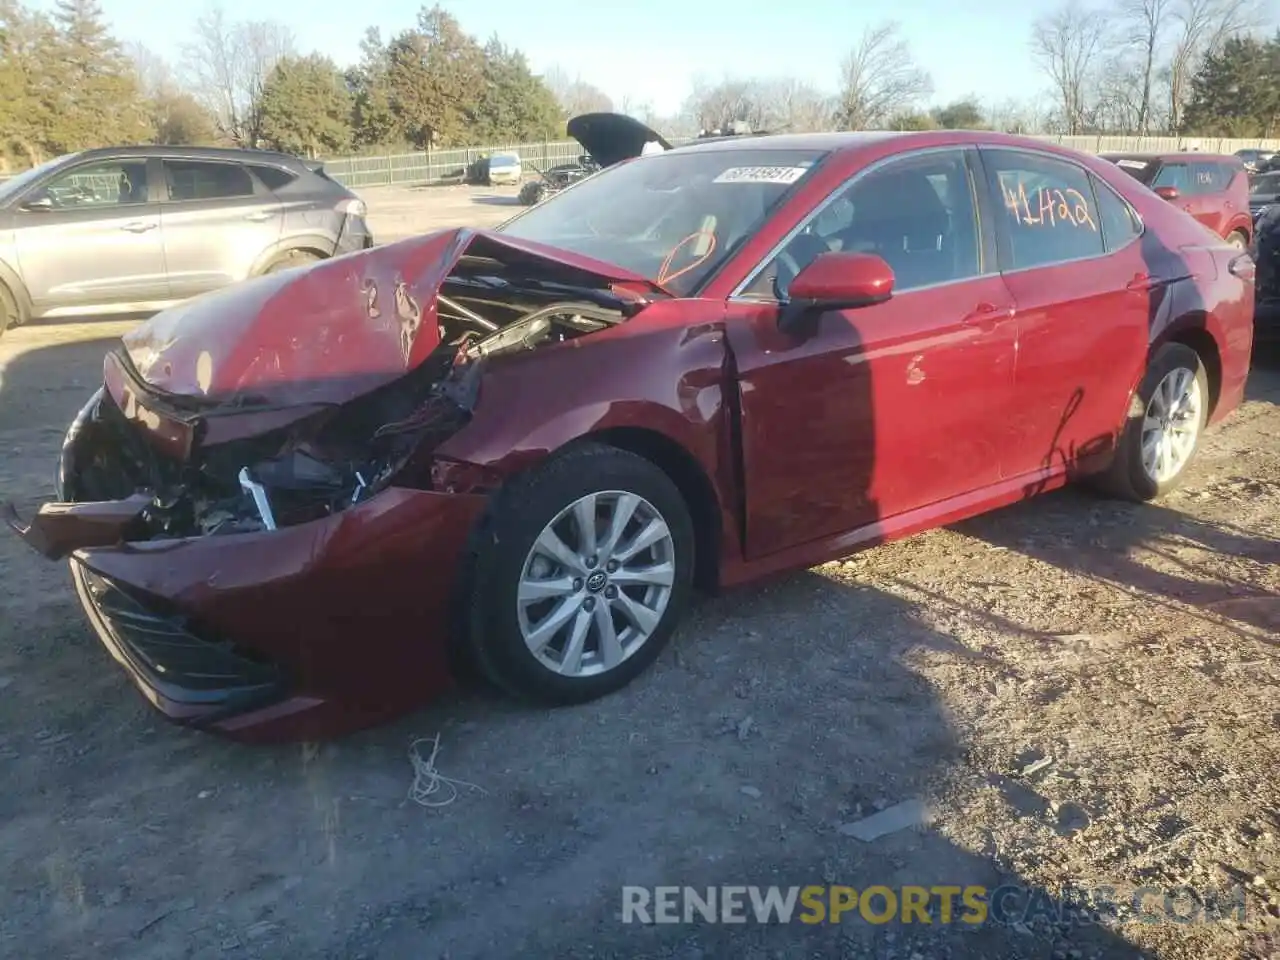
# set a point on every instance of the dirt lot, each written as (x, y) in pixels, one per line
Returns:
(1135, 646)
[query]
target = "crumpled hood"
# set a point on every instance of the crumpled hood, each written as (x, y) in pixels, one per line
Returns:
(612, 137)
(333, 331)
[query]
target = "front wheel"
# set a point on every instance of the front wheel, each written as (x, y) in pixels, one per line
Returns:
(1162, 432)
(1238, 240)
(580, 577)
(292, 260)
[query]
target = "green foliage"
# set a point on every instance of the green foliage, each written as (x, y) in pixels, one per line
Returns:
(1236, 92)
(306, 107)
(513, 105)
(960, 115)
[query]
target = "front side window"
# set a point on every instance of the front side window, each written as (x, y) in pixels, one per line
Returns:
(204, 180)
(673, 217)
(916, 213)
(109, 183)
(1049, 212)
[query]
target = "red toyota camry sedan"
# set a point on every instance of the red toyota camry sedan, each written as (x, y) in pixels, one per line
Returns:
(296, 506)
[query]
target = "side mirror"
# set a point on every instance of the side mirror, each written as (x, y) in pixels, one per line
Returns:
(836, 281)
(39, 203)
(1168, 193)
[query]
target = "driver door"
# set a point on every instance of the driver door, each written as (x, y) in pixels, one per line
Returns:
(890, 415)
(90, 237)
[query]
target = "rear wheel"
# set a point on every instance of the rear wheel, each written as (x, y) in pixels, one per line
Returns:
(292, 259)
(581, 576)
(1166, 419)
(1238, 240)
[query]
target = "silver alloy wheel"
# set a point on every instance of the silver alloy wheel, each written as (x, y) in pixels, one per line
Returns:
(596, 583)
(1237, 241)
(1171, 425)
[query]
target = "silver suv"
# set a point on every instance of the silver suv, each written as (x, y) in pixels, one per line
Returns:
(136, 229)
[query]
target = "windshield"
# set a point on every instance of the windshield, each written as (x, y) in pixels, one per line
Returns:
(1265, 186)
(672, 217)
(1140, 170)
(15, 185)
(504, 160)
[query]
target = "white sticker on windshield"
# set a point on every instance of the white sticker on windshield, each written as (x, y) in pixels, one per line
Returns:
(761, 175)
(1131, 164)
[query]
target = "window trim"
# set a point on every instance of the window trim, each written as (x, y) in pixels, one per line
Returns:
(1094, 182)
(163, 184)
(16, 204)
(1002, 232)
(978, 193)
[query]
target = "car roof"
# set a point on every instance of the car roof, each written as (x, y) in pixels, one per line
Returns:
(852, 141)
(236, 154)
(1151, 157)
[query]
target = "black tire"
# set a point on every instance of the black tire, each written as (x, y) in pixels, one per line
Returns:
(10, 312)
(1126, 478)
(292, 259)
(519, 513)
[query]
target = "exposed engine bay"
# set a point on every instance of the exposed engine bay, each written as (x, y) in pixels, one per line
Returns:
(327, 456)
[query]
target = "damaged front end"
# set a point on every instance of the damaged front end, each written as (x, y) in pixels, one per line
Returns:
(292, 398)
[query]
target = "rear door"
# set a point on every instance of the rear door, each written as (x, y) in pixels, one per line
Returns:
(1177, 174)
(1075, 262)
(217, 219)
(90, 237)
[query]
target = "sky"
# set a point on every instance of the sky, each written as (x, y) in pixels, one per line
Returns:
(651, 51)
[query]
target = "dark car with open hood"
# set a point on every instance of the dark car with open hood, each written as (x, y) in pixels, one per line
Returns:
(304, 503)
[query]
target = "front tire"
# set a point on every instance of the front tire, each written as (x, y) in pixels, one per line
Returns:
(580, 576)
(1166, 419)
(10, 312)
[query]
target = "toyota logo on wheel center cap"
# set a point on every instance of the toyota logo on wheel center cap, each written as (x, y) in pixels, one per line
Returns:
(596, 582)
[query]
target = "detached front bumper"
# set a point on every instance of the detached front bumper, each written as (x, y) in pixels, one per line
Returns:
(303, 632)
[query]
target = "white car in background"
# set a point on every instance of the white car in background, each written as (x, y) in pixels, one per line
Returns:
(504, 168)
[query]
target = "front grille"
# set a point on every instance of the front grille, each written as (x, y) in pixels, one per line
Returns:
(181, 666)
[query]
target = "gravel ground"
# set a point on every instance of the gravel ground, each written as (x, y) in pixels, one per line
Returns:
(1132, 648)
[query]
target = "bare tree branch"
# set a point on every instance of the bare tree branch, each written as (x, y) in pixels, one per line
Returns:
(1202, 26)
(879, 78)
(1068, 46)
(228, 65)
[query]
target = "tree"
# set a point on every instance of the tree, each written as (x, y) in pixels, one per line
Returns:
(513, 105)
(879, 79)
(1068, 45)
(1201, 29)
(176, 117)
(29, 91)
(373, 117)
(960, 115)
(305, 107)
(228, 67)
(1236, 92)
(434, 76)
(1146, 21)
(97, 100)
(575, 96)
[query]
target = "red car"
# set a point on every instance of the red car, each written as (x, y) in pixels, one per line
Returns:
(1212, 188)
(298, 505)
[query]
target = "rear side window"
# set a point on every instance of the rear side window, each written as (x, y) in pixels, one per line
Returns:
(273, 178)
(1210, 177)
(1049, 213)
(1176, 175)
(1118, 221)
(206, 180)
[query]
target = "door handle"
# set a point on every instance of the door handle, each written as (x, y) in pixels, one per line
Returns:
(258, 217)
(139, 226)
(1141, 283)
(987, 315)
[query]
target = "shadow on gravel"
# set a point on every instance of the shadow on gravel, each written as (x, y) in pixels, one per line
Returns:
(776, 716)
(497, 201)
(1155, 552)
